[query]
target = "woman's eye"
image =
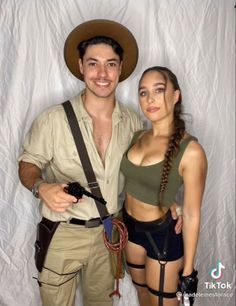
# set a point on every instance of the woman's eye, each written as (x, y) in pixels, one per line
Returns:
(160, 90)
(142, 93)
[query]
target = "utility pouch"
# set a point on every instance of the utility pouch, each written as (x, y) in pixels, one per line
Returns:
(45, 231)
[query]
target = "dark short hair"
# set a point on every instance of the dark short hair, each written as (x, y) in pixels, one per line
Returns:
(82, 47)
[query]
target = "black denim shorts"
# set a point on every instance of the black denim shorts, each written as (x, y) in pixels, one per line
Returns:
(158, 230)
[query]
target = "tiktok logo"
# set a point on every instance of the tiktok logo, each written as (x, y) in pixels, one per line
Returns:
(216, 273)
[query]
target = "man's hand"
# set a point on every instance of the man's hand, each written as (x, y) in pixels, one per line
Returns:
(55, 197)
(176, 213)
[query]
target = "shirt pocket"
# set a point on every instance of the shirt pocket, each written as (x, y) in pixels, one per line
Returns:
(124, 142)
(67, 161)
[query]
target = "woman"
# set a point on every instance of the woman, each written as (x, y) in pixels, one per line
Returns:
(155, 166)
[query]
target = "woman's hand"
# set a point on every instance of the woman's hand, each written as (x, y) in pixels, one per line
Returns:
(176, 212)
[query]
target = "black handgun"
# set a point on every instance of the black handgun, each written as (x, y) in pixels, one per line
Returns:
(78, 191)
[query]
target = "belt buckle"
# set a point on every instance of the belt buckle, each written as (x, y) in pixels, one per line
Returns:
(92, 223)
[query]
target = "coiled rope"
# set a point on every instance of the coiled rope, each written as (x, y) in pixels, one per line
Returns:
(117, 247)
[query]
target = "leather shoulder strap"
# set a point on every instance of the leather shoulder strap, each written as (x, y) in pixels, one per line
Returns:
(83, 154)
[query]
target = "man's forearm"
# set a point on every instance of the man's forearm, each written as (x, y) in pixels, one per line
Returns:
(29, 174)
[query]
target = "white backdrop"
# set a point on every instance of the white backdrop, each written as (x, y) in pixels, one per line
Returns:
(196, 39)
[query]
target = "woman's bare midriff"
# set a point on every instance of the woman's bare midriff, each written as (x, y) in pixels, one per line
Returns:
(142, 211)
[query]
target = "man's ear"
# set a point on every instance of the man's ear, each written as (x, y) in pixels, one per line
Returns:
(121, 65)
(81, 66)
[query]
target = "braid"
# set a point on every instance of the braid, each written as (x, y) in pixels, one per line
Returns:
(171, 152)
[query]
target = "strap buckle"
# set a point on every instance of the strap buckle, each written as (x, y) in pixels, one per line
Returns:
(93, 185)
(93, 223)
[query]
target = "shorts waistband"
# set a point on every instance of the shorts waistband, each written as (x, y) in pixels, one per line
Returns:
(155, 225)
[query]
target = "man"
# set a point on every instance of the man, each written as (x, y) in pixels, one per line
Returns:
(101, 53)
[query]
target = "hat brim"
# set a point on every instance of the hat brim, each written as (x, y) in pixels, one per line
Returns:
(101, 27)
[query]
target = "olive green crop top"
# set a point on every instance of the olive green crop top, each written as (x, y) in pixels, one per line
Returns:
(143, 182)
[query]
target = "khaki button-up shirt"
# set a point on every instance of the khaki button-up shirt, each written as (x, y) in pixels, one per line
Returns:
(50, 145)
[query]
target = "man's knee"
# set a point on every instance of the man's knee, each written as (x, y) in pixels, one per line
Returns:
(57, 289)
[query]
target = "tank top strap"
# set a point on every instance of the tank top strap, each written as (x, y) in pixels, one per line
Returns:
(183, 145)
(135, 137)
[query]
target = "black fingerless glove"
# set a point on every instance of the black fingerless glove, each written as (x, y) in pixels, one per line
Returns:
(188, 285)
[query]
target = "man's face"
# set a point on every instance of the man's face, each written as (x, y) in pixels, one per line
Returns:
(101, 68)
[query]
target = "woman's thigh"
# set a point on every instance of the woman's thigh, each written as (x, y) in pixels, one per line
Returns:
(171, 278)
(136, 256)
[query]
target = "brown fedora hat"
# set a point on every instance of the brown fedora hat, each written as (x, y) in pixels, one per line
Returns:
(101, 27)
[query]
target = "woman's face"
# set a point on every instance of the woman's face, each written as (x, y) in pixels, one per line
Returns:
(157, 97)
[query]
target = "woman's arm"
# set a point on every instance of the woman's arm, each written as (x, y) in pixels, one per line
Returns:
(194, 170)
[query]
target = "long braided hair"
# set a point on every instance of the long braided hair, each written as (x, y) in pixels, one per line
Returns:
(178, 128)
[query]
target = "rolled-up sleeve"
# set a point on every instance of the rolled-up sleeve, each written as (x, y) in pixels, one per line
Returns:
(38, 144)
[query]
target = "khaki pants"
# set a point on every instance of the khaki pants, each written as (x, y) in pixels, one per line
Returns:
(77, 255)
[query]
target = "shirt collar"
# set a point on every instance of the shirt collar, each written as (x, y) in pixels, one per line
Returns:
(83, 115)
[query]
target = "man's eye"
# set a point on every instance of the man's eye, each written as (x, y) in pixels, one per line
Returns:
(92, 64)
(112, 64)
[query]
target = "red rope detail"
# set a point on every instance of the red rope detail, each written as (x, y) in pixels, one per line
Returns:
(117, 248)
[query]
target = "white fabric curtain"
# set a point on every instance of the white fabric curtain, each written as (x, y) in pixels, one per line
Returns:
(196, 39)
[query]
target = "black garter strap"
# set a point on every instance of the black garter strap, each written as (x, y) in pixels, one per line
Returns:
(131, 265)
(162, 276)
(161, 258)
(137, 284)
(167, 295)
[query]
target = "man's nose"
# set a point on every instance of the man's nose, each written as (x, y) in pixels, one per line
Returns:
(102, 71)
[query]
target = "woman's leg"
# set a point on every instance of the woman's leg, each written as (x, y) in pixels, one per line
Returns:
(171, 277)
(136, 260)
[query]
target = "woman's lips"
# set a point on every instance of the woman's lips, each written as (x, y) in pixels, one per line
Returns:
(153, 109)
